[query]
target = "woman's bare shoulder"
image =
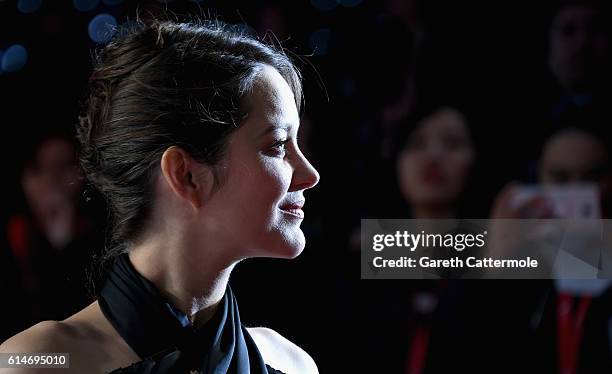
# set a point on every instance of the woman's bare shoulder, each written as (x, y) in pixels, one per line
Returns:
(92, 346)
(281, 353)
(55, 334)
(45, 336)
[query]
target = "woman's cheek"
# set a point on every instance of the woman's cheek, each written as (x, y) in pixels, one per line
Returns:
(277, 175)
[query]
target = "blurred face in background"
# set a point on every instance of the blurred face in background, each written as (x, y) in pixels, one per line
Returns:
(437, 160)
(578, 46)
(576, 156)
(51, 180)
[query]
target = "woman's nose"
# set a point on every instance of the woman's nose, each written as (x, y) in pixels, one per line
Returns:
(305, 176)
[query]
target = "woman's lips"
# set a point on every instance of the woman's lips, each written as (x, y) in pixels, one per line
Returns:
(294, 209)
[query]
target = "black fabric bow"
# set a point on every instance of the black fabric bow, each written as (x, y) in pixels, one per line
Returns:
(163, 335)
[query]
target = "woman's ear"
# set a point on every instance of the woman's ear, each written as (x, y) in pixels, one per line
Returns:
(189, 179)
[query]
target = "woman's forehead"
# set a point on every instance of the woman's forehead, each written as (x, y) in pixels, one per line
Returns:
(272, 100)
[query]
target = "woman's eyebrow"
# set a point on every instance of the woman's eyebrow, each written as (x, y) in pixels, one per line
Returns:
(272, 128)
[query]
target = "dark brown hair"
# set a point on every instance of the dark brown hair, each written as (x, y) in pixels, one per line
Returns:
(160, 84)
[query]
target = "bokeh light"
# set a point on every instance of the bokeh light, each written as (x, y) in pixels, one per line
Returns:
(29, 6)
(102, 27)
(14, 58)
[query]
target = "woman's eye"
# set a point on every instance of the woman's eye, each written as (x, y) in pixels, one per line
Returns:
(279, 147)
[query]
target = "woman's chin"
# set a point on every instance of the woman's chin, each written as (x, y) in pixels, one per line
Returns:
(288, 251)
(289, 247)
(295, 252)
(286, 245)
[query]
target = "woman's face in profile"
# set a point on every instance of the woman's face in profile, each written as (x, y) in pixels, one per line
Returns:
(435, 163)
(258, 205)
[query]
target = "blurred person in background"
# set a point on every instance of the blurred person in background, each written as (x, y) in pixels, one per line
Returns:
(578, 54)
(559, 326)
(571, 84)
(434, 171)
(435, 164)
(578, 318)
(568, 156)
(49, 242)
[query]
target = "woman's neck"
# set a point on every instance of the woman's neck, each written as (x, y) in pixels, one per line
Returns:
(188, 278)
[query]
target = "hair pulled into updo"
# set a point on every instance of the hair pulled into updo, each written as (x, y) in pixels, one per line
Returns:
(160, 84)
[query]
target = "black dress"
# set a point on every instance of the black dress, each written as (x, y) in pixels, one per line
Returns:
(164, 336)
